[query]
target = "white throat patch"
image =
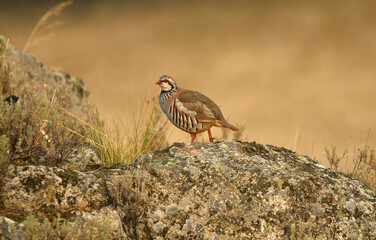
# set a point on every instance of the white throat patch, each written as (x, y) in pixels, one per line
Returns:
(165, 86)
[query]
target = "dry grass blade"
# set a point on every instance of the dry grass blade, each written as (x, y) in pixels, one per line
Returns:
(80, 135)
(6, 45)
(52, 103)
(76, 117)
(44, 22)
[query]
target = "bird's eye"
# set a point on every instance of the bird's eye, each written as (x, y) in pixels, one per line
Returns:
(165, 81)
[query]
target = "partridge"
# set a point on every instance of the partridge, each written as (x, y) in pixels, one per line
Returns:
(188, 110)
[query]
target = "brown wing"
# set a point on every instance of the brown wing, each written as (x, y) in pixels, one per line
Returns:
(205, 108)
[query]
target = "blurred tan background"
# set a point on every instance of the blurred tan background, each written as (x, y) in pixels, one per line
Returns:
(287, 69)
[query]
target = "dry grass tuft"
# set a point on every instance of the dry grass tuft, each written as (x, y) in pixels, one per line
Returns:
(42, 30)
(333, 157)
(363, 158)
(365, 166)
(123, 141)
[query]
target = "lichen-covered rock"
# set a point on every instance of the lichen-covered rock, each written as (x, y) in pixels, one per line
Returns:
(82, 159)
(49, 190)
(234, 190)
(9, 229)
(108, 216)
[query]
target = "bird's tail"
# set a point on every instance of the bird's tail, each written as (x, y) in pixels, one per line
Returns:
(230, 126)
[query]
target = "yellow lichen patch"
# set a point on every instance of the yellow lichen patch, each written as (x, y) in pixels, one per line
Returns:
(173, 161)
(270, 150)
(303, 159)
(336, 179)
(73, 79)
(369, 191)
(224, 145)
(280, 183)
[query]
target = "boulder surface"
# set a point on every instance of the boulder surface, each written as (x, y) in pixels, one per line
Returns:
(240, 190)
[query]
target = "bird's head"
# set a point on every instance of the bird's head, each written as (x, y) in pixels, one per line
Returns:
(167, 83)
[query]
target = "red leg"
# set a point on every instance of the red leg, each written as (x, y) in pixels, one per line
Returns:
(210, 136)
(193, 136)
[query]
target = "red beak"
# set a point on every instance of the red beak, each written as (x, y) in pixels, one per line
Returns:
(159, 82)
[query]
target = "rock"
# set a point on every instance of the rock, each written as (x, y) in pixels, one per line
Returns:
(9, 229)
(158, 227)
(159, 215)
(82, 159)
(108, 214)
(350, 205)
(235, 190)
(48, 190)
(172, 210)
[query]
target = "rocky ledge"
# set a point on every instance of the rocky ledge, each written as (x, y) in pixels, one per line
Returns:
(239, 190)
(222, 190)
